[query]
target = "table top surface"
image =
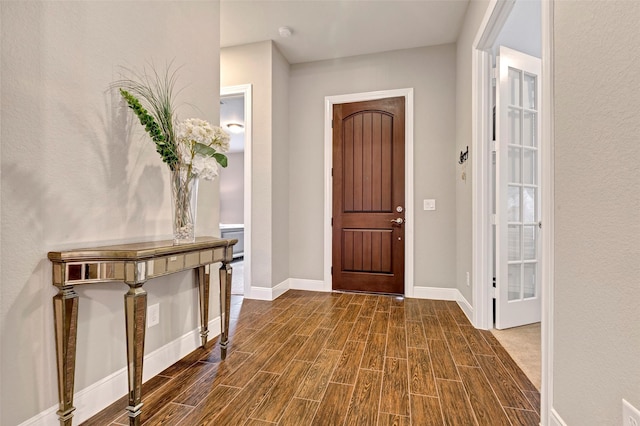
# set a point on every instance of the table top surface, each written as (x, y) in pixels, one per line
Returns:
(141, 250)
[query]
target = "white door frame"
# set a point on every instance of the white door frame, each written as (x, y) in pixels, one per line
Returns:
(329, 101)
(245, 90)
(494, 19)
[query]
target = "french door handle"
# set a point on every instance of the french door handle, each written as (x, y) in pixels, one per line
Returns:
(397, 221)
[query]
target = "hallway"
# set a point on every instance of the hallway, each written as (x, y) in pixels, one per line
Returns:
(336, 358)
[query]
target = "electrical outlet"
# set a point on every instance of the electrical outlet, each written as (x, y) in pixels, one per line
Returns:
(468, 279)
(153, 315)
(429, 204)
(630, 414)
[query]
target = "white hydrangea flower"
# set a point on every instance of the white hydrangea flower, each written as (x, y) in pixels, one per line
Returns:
(204, 167)
(196, 131)
(222, 140)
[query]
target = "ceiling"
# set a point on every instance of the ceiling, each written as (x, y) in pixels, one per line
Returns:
(329, 29)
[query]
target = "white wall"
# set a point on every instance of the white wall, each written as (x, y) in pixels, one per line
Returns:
(280, 164)
(261, 65)
(597, 210)
(464, 50)
(77, 170)
(251, 64)
(522, 30)
(431, 72)
(232, 189)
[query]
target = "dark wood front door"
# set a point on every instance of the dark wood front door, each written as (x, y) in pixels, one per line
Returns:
(368, 196)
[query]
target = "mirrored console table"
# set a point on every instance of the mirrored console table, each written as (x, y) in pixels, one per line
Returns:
(132, 264)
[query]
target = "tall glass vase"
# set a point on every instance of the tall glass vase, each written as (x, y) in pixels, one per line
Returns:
(184, 196)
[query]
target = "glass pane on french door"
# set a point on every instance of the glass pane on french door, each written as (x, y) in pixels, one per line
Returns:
(522, 184)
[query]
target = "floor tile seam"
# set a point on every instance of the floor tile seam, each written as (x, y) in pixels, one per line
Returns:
(269, 392)
(532, 410)
(468, 398)
(407, 375)
(333, 369)
(309, 399)
(520, 408)
(182, 405)
(196, 383)
(527, 378)
(517, 386)
(407, 379)
(425, 395)
(339, 383)
(512, 376)
(449, 380)
(208, 393)
(470, 351)
(257, 403)
(259, 420)
(495, 395)
(232, 351)
(435, 379)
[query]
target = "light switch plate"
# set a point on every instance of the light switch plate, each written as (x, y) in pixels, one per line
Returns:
(429, 204)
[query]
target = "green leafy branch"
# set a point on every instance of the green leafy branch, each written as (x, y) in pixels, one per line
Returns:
(207, 151)
(150, 95)
(167, 152)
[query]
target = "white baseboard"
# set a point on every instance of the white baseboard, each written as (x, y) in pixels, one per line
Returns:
(268, 293)
(440, 293)
(101, 394)
(308, 285)
(436, 293)
(465, 306)
(555, 419)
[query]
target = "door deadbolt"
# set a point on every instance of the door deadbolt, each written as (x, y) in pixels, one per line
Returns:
(399, 209)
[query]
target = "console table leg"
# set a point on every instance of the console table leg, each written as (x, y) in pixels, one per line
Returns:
(135, 307)
(202, 278)
(225, 306)
(65, 314)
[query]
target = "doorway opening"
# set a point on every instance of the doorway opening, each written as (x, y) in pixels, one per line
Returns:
(368, 196)
(510, 24)
(330, 101)
(235, 182)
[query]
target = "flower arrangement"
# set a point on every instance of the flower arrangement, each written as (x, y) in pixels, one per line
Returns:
(191, 148)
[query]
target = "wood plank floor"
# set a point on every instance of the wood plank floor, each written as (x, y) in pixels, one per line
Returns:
(341, 359)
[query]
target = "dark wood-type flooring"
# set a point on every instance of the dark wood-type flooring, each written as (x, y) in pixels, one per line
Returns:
(336, 358)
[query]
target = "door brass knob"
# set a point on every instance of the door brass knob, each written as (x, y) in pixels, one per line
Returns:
(398, 221)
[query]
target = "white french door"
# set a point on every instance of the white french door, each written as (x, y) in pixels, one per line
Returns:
(518, 299)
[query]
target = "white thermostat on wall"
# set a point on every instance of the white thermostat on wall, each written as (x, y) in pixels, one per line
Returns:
(429, 204)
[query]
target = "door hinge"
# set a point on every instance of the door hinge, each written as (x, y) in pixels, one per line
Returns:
(331, 221)
(493, 219)
(494, 75)
(494, 146)
(493, 292)
(332, 124)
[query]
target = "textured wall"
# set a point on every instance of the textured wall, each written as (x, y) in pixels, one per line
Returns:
(264, 67)
(280, 164)
(464, 51)
(597, 210)
(251, 64)
(77, 170)
(431, 72)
